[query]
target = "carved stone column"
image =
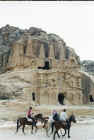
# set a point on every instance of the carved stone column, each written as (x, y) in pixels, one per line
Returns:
(40, 62)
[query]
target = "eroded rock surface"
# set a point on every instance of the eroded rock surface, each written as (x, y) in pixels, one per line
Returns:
(33, 61)
(18, 46)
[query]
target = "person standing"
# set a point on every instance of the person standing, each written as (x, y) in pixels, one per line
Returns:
(91, 98)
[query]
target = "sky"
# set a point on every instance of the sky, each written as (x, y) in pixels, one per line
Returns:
(72, 21)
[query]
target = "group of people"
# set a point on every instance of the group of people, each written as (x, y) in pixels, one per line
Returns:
(63, 117)
(55, 115)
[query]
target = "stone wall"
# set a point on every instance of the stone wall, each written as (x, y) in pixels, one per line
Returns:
(49, 83)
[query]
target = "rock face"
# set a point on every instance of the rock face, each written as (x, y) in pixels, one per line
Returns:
(40, 67)
(8, 35)
(88, 66)
(12, 84)
(18, 46)
(87, 84)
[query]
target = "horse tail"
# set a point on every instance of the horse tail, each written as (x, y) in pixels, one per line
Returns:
(18, 122)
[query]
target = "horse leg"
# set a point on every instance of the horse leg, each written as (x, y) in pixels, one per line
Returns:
(18, 126)
(52, 126)
(57, 134)
(36, 129)
(47, 132)
(23, 129)
(69, 133)
(64, 133)
(54, 135)
(32, 130)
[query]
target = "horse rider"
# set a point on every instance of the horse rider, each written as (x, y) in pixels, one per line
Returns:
(30, 115)
(55, 117)
(64, 117)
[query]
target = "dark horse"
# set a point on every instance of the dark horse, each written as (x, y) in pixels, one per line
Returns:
(24, 121)
(66, 126)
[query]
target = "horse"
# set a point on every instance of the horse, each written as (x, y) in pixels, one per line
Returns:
(63, 125)
(43, 124)
(23, 121)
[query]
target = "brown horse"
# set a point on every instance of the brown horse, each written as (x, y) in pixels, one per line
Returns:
(63, 125)
(43, 124)
(24, 121)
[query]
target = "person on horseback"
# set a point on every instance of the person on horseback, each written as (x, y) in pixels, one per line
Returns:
(55, 117)
(30, 115)
(64, 117)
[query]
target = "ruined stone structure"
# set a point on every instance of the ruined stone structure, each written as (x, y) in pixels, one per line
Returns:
(54, 68)
(51, 76)
(49, 84)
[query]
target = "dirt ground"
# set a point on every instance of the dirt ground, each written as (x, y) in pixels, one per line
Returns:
(12, 109)
(78, 132)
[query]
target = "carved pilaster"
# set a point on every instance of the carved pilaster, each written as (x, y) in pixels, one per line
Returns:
(51, 53)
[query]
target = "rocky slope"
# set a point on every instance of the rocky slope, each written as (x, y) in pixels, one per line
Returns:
(12, 84)
(88, 66)
(16, 51)
(12, 36)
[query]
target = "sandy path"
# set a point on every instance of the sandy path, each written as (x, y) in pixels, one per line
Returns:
(78, 132)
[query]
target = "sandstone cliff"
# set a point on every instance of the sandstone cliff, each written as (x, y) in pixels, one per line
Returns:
(15, 50)
(25, 51)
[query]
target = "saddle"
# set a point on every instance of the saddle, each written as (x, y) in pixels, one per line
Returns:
(63, 122)
(29, 120)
